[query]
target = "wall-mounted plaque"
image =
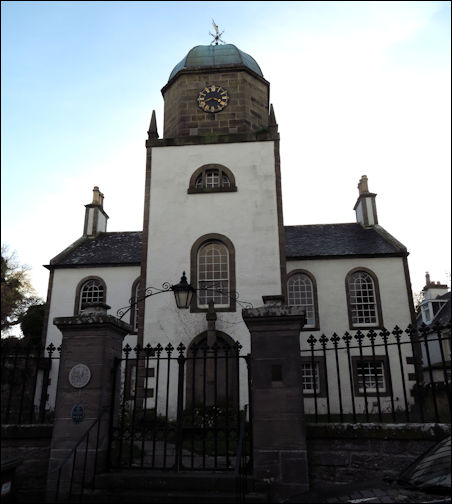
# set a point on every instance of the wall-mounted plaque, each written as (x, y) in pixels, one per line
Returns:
(77, 413)
(79, 376)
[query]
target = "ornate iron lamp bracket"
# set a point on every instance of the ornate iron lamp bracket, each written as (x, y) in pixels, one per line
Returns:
(176, 289)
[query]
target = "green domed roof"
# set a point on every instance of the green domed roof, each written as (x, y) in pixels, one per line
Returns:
(215, 56)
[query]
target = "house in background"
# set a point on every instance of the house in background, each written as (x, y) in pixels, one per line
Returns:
(435, 309)
(213, 208)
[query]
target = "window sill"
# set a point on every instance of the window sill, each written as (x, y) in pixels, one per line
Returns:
(217, 309)
(204, 190)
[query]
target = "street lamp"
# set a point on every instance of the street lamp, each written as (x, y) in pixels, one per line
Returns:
(183, 292)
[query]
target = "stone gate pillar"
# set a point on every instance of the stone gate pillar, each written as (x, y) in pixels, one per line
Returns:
(279, 436)
(91, 342)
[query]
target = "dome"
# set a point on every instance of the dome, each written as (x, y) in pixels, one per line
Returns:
(215, 56)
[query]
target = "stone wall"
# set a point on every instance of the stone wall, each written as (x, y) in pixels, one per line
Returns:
(350, 453)
(247, 109)
(30, 443)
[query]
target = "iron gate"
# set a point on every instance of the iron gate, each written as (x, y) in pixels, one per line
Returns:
(181, 409)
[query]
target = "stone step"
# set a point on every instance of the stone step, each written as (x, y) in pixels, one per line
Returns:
(163, 480)
(169, 496)
(163, 486)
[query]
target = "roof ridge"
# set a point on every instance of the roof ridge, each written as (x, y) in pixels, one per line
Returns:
(441, 309)
(388, 237)
(118, 232)
(327, 224)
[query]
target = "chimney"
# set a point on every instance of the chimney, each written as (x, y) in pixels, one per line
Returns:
(365, 207)
(433, 289)
(95, 216)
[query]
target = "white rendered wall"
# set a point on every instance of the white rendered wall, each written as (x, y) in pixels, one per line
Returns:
(118, 281)
(89, 225)
(330, 277)
(370, 212)
(247, 217)
(101, 222)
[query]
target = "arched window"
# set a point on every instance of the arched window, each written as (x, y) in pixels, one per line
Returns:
(135, 308)
(301, 292)
(213, 267)
(212, 178)
(89, 290)
(363, 299)
(213, 274)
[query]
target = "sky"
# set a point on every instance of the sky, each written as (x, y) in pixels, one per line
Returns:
(357, 88)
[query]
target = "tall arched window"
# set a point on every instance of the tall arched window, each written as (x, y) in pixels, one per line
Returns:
(213, 267)
(89, 290)
(301, 292)
(363, 299)
(135, 308)
(213, 274)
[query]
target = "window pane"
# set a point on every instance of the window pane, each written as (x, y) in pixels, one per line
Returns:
(212, 178)
(309, 380)
(370, 374)
(135, 308)
(91, 291)
(225, 181)
(213, 274)
(198, 183)
(362, 299)
(300, 293)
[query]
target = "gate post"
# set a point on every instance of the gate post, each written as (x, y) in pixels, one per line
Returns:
(87, 384)
(279, 436)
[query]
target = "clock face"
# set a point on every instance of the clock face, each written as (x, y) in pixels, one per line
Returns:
(213, 99)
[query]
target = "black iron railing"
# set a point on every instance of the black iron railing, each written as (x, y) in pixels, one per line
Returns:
(78, 470)
(179, 408)
(242, 463)
(378, 376)
(25, 374)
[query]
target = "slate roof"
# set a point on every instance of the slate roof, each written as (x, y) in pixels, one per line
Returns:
(444, 314)
(310, 241)
(105, 248)
(328, 240)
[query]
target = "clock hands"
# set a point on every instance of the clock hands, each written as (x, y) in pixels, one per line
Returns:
(213, 94)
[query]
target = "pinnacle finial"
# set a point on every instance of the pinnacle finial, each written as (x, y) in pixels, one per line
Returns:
(152, 131)
(272, 124)
(271, 117)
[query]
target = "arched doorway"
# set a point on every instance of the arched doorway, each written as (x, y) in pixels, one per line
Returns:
(212, 373)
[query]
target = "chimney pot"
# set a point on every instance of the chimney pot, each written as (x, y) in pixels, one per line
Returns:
(96, 196)
(363, 185)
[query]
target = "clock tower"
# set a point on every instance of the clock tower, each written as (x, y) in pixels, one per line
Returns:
(215, 89)
(213, 197)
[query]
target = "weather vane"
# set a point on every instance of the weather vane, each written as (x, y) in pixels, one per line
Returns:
(217, 35)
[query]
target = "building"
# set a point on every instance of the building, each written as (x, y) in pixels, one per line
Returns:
(213, 209)
(435, 309)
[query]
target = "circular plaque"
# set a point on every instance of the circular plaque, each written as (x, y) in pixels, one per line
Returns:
(79, 376)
